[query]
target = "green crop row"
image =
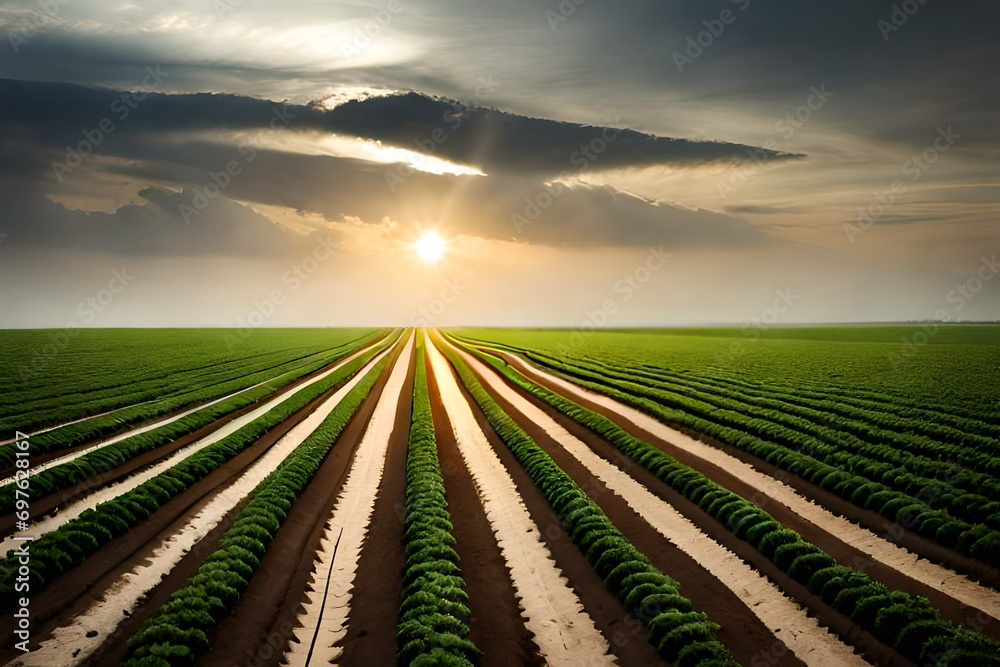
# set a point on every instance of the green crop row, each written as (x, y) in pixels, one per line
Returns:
(433, 624)
(972, 493)
(178, 631)
(871, 486)
(908, 623)
(964, 439)
(107, 458)
(969, 462)
(101, 370)
(937, 429)
(968, 435)
(69, 545)
(102, 425)
(920, 446)
(948, 383)
(966, 485)
(683, 637)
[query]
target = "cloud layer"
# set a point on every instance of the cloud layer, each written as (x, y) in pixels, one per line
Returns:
(578, 134)
(482, 137)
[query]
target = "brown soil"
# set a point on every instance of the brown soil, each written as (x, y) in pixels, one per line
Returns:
(873, 650)
(950, 608)
(873, 521)
(260, 628)
(496, 624)
(742, 632)
(378, 584)
(45, 505)
(626, 637)
(48, 456)
(258, 631)
(72, 593)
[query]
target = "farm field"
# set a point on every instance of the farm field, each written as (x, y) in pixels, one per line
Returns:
(810, 496)
(53, 377)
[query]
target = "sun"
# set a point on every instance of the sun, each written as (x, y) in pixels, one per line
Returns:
(430, 247)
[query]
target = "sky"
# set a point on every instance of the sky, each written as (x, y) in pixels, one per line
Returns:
(587, 163)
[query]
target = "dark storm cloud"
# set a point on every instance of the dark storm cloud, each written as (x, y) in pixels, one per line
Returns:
(894, 84)
(588, 64)
(900, 68)
(149, 138)
(492, 140)
(154, 226)
(496, 207)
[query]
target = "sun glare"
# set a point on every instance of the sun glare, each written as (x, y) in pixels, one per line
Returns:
(430, 247)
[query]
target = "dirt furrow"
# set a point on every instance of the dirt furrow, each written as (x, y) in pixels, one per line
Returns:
(59, 457)
(960, 599)
(51, 459)
(110, 570)
(328, 599)
(378, 584)
(65, 512)
(258, 631)
(656, 526)
(554, 612)
(497, 627)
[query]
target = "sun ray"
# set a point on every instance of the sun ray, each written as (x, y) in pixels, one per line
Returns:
(430, 247)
